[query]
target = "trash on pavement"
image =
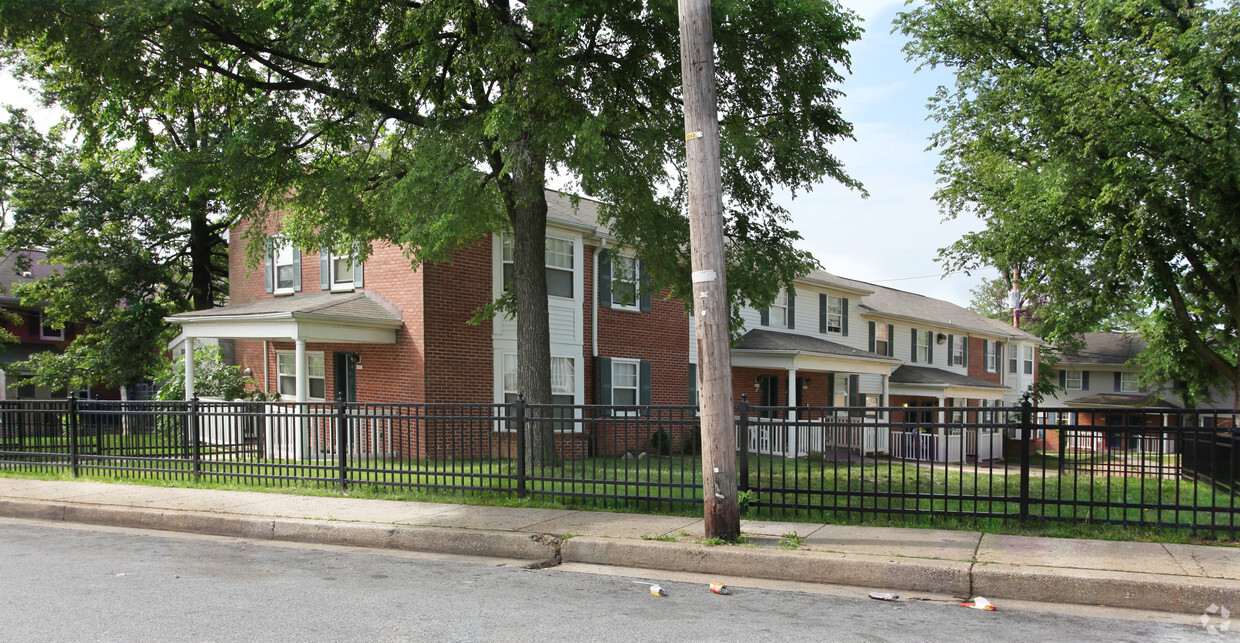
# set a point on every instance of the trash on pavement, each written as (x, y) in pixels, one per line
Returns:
(979, 603)
(655, 590)
(719, 588)
(883, 596)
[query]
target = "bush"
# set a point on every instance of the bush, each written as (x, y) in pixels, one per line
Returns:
(693, 442)
(661, 442)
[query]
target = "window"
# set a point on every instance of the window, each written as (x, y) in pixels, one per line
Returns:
(283, 260)
(1013, 362)
(777, 314)
(1128, 383)
(563, 380)
(882, 339)
(924, 338)
(1072, 380)
(624, 282)
(841, 397)
(286, 370)
(835, 314)
(1028, 360)
(624, 381)
(560, 266)
(46, 331)
(958, 350)
(991, 350)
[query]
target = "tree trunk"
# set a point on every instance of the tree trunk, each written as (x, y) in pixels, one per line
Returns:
(526, 202)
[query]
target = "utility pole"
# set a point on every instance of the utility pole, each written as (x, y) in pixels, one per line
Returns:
(710, 302)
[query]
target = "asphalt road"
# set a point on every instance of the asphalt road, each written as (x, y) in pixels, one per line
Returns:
(85, 583)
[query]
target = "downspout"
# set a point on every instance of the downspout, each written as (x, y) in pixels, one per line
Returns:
(266, 374)
(594, 309)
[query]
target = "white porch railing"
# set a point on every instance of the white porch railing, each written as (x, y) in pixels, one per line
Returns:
(983, 443)
(930, 446)
(292, 431)
(798, 439)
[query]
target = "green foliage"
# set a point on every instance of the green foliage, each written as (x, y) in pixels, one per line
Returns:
(212, 378)
(430, 125)
(693, 442)
(1096, 139)
(791, 540)
(661, 442)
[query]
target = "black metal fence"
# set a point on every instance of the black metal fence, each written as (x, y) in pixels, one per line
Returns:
(1175, 468)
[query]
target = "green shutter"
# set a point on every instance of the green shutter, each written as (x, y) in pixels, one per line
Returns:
(964, 350)
(1118, 386)
(643, 386)
(854, 383)
(604, 381)
(930, 347)
(792, 310)
(765, 317)
(844, 317)
(891, 340)
(873, 336)
(914, 351)
(951, 350)
(822, 313)
(604, 283)
(1084, 380)
(643, 287)
(1063, 378)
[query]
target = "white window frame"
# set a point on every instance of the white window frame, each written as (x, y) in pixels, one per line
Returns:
(56, 334)
(567, 372)
(281, 376)
(1069, 378)
(630, 275)
(924, 338)
(882, 341)
(992, 358)
(957, 356)
(333, 280)
(841, 388)
(507, 258)
(1028, 351)
(1129, 382)
(282, 252)
(781, 304)
(835, 315)
(1013, 363)
(636, 364)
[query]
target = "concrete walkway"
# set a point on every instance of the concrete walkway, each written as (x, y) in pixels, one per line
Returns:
(1150, 576)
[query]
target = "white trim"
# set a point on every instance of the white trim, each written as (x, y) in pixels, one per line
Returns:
(636, 388)
(43, 327)
(301, 366)
(279, 247)
(636, 306)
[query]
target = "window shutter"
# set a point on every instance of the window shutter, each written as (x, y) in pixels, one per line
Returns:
(1117, 384)
(930, 347)
(844, 318)
(268, 267)
(765, 317)
(891, 340)
(914, 360)
(1084, 380)
(693, 383)
(1063, 378)
(854, 383)
(951, 350)
(998, 357)
(964, 350)
(792, 310)
(830, 389)
(643, 386)
(604, 382)
(604, 288)
(873, 336)
(296, 270)
(325, 282)
(357, 275)
(643, 286)
(822, 313)
(986, 355)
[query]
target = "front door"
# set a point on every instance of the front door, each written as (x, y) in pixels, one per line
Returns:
(346, 375)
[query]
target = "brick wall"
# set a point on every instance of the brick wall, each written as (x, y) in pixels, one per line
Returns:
(459, 360)
(977, 363)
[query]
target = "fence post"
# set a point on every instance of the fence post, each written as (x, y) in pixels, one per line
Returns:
(73, 435)
(1026, 442)
(342, 440)
(742, 440)
(518, 425)
(195, 441)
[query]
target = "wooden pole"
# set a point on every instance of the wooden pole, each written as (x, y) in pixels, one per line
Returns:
(710, 302)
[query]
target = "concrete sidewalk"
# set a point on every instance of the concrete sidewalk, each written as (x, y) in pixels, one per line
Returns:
(1151, 576)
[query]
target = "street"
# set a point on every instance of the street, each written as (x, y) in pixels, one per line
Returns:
(86, 583)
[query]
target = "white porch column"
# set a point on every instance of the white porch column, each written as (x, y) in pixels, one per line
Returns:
(303, 377)
(886, 392)
(792, 445)
(189, 368)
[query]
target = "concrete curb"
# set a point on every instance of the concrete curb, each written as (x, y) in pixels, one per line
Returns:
(499, 544)
(876, 572)
(1156, 592)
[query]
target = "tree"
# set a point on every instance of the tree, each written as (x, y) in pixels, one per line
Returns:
(1098, 141)
(136, 210)
(212, 378)
(437, 122)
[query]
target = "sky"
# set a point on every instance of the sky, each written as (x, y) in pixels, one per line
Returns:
(891, 238)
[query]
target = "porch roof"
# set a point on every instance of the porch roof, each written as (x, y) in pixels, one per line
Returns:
(352, 317)
(773, 349)
(947, 383)
(1121, 400)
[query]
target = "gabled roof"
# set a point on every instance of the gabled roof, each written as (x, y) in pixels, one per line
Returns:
(1106, 348)
(10, 275)
(908, 374)
(769, 340)
(352, 317)
(351, 306)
